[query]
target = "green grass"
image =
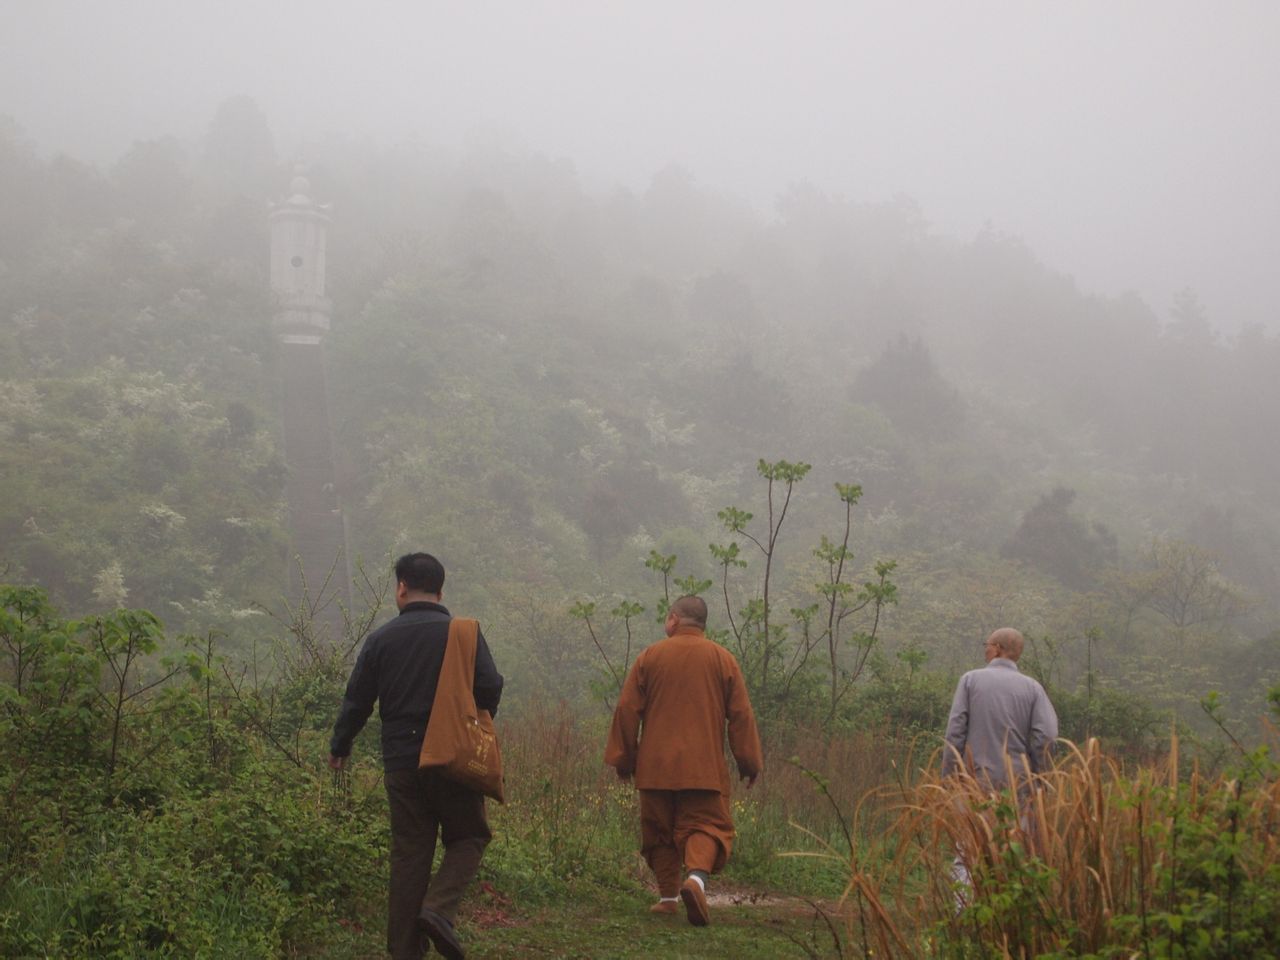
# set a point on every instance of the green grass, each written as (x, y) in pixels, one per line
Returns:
(600, 931)
(592, 924)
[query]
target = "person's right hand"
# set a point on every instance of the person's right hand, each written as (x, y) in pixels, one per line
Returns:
(338, 763)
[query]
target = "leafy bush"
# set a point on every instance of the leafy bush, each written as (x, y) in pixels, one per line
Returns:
(149, 812)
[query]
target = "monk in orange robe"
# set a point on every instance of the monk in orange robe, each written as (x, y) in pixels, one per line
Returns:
(668, 732)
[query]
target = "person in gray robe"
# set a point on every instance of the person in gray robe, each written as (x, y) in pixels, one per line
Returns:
(1000, 720)
(999, 712)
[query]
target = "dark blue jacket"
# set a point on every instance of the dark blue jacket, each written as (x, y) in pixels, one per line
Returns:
(399, 666)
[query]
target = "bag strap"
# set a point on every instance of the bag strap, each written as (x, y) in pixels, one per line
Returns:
(459, 666)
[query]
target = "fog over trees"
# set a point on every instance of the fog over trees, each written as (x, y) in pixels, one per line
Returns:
(1007, 268)
(1131, 146)
(879, 326)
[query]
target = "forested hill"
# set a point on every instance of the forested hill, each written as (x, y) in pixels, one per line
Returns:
(543, 381)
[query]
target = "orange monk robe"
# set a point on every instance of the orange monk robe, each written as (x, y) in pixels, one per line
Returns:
(669, 726)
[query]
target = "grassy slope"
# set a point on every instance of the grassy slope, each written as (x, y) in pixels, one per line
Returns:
(605, 924)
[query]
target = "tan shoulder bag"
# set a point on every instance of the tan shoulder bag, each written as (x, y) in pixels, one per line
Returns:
(460, 738)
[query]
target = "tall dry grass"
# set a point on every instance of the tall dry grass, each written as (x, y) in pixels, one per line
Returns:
(567, 817)
(860, 760)
(1088, 859)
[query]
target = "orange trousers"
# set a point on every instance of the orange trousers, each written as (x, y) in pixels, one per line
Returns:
(692, 828)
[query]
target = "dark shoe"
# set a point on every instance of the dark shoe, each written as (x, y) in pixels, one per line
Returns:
(440, 932)
(695, 903)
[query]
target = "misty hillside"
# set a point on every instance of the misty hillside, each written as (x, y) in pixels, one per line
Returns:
(543, 381)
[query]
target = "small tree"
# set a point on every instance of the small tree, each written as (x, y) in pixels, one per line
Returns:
(122, 639)
(1055, 540)
(1187, 589)
(841, 625)
(823, 625)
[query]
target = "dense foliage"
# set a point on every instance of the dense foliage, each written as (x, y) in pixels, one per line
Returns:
(569, 395)
(543, 384)
(162, 806)
(182, 807)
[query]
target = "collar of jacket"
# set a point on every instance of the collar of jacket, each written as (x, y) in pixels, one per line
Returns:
(687, 631)
(417, 605)
(1004, 661)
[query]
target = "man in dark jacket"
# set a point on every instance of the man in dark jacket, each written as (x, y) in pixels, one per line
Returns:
(399, 666)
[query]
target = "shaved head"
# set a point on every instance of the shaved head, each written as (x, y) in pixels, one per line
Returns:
(691, 610)
(1008, 643)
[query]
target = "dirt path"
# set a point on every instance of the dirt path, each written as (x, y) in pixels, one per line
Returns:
(745, 925)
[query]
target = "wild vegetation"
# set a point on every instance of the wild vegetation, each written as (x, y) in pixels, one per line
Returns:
(183, 809)
(866, 443)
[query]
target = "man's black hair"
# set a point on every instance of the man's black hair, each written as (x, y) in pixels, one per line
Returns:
(420, 572)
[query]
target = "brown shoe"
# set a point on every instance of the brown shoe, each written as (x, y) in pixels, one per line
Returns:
(695, 902)
(663, 906)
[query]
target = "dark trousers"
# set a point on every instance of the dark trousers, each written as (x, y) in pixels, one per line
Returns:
(423, 804)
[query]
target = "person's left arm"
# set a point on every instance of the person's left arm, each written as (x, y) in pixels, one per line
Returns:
(487, 688)
(744, 736)
(1044, 731)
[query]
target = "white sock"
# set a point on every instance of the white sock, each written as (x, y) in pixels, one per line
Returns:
(698, 880)
(668, 899)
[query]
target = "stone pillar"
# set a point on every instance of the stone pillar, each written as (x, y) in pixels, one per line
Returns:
(319, 577)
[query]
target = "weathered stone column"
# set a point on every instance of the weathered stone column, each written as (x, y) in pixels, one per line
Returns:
(319, 576)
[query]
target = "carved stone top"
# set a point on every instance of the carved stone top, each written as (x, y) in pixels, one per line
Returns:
(300, 204)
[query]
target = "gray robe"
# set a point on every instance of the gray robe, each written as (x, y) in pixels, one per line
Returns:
(997, 710)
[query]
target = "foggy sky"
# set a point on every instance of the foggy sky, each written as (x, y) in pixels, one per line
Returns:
(1134, 145)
